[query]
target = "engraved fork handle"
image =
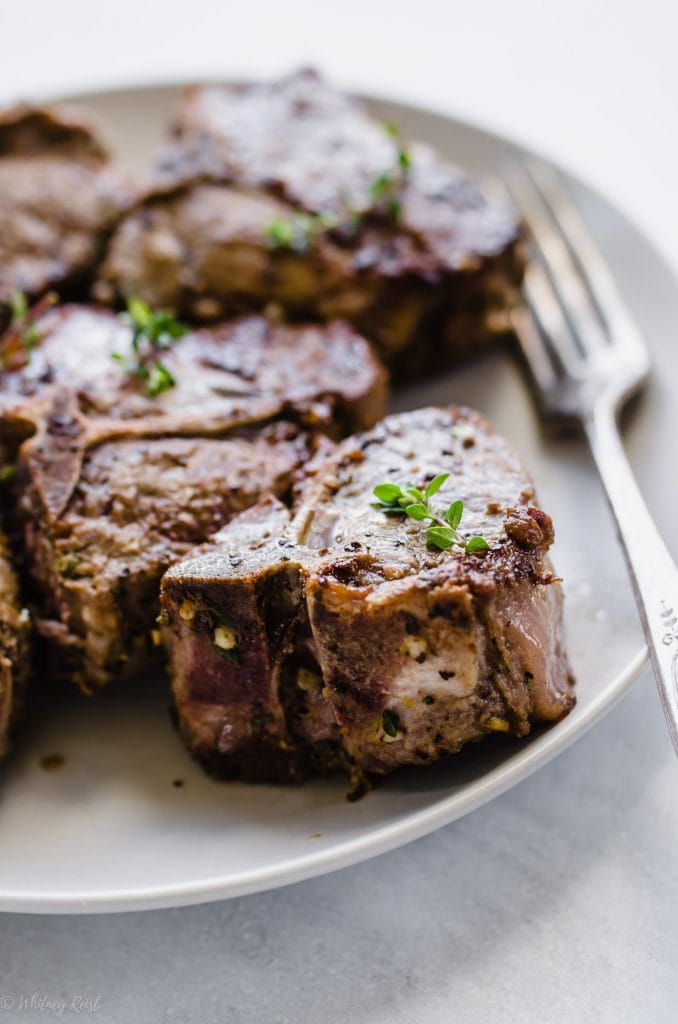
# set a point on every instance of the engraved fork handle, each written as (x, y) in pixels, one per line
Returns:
(653, 571)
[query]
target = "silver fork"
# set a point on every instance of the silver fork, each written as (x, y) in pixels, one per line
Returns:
(587, 358)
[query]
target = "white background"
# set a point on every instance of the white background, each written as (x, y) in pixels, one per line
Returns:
(557, 902)
(591, 82)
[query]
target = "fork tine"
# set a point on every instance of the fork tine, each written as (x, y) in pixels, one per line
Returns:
(601, 284)
(566, 275)
(539, 289)
(543, 303)
(578, 339)
(537, 353)
(531, 336)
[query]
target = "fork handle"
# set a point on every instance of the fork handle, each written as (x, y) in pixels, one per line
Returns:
(653, 571)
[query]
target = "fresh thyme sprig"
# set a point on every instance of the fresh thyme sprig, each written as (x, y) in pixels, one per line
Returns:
(386, 189)
(23, 334)
(299, 230)
(152, 331)
(21, 322)
(416, 504)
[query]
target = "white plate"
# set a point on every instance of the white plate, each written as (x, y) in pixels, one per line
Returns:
(110, 831)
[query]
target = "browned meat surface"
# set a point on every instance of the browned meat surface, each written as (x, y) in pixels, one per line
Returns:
(14, 652)
(289, 192)
(59, 201)
(102, 524)
(245, 371)
(337, 637)
(116, 484)
(307, 631)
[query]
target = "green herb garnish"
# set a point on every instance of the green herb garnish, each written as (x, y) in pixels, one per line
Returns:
(475, 544)
(152, 331)
(158, 328)
(67, 564)
(159, 379)
(18, 303)
(416, 504)
(390, 722)
(22, 333)
(386, 189)
(298, 230)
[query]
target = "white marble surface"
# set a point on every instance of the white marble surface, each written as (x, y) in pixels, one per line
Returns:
(558, 901)
(593, 83)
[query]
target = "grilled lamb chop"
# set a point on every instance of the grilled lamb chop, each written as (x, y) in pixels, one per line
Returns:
(115, 485)
(336, 637)
(59, 201)
(102, 524)
(246, 371)
(290, 192)
(14, 652)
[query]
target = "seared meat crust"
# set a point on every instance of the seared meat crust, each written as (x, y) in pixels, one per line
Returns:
(59, 201)
(247, 157)
(116, 485)
(246, 371)
(337, 637)
(14, 648)
(98, 546)
(313, 634)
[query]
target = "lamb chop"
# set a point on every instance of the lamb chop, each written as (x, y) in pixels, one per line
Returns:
(14, 651)
(337, 637)
(97, 551)
(244, 371)
(290, 192)
(60, 199)
(116, 480)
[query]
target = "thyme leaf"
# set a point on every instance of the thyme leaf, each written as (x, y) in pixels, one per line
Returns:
(159, 379)
(390, 722)
(436, 484)
(23, 334)
(152, 331)
(412, 502)
(18, 303)
(386, 189)
(298, 231)
(442, 537)
(474, 544)
(454, 513)
(387, 493)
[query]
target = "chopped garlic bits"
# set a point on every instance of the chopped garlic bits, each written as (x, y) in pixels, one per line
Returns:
(225, 638)
(187, 612)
